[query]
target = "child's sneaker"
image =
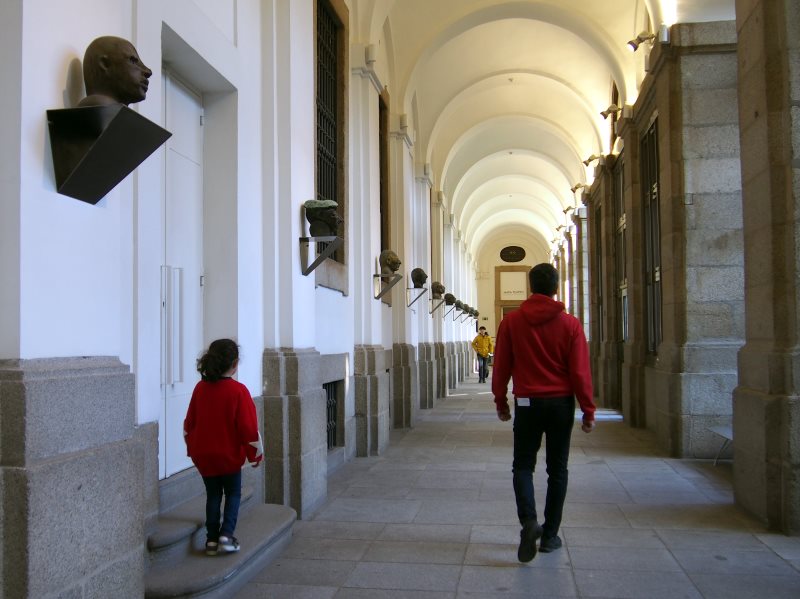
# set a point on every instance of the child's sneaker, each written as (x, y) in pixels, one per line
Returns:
(228, 544)
(211, 547)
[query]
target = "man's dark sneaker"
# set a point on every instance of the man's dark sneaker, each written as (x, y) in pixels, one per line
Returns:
(530, 532)
(228, 544)
(549, 544)
(211, 548)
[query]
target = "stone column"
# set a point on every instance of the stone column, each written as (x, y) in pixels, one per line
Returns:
(295, 441)
(440, 352)
(71, 476)
(691, 374)
(405, 385)
(427, 376)
(766, 416)
(371, 384)
(451, 364)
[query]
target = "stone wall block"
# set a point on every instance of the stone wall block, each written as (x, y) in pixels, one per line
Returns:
(708, 71)
(709, 394)
(307, 422)
(45, 404)
(712, 175)
(147, 436)
(707, 284)
(83, 518)
(710, 357)
(701, 34)
(714, 212)
(713, 321)
(711, 107)
(714, 141)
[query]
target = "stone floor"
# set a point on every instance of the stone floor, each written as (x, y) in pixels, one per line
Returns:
(434, 518)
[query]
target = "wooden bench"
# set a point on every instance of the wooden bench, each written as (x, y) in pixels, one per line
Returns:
(726, 432)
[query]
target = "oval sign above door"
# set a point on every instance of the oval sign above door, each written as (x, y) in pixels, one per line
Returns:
(512, 253)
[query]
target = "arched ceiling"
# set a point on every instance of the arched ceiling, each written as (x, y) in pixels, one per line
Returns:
(504, 97)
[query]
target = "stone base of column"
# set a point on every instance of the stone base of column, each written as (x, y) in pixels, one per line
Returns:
(632, 386)
(371, 384)
(451, 359)
(427, 376)
(766, 451)
(71, 474)
(295, 441)
(405, 385)
(683, 405)
(440, 367)
(466, 357)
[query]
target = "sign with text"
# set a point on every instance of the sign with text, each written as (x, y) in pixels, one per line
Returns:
(514, 285)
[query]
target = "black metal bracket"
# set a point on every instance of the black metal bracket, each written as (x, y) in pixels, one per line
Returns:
(96, 147)
(435, 306)
(382, 286)
(410, 291)
(331, 242)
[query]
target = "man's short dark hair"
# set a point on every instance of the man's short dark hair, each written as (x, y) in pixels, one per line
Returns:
(481, 328)
(543, 279)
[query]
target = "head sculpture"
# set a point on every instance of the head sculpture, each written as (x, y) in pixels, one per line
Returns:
(437, 290)
(389, 262)
(418, 278)
(449, 299)
(476, 314)
(113, 73)
(459, 305)
(323, 217)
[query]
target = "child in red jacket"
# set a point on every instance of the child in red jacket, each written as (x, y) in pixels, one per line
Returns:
(221, 432)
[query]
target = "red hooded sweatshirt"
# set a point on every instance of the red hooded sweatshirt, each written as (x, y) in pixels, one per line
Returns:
(221, 427)
(544, 349)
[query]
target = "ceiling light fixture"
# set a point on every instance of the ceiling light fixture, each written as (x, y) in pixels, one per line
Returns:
(612, 109)
(644, 36)
(591, 159)
(568, 209)
(577, 186)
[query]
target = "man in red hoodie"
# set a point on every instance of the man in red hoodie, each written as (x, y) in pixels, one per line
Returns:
(544, 349)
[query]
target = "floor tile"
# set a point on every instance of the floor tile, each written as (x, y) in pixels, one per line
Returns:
(332, 549)
(442, 533)
(286, 591)
(623, 558)
(418, 577)
(520, 579)
(621, 584)
(417, 552)
(722, 560)
(727, 586)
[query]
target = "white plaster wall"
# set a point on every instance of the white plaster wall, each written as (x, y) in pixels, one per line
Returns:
(70, 251)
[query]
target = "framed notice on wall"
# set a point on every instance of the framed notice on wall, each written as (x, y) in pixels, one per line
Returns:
(513, 286)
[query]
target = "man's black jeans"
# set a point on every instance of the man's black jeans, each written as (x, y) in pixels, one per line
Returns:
(552, 417)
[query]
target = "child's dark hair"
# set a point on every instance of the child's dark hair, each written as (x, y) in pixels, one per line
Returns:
(220, 357)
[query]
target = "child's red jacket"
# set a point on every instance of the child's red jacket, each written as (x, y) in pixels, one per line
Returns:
(221, 428)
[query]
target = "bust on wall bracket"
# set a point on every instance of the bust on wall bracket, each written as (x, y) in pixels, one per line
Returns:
(99, 143)
(323, 223)
(418, 278)
(389, 263)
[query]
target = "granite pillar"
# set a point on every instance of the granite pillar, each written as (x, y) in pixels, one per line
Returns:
(440, 366)
(71, 474)
(405, 385)
(371, 383)
(295, 441)
(427, 375)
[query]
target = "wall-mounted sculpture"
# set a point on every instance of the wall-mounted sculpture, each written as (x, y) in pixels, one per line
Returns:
(97, 144)
(449, 299)
(418, 278)
(323, 218)
(389, 263)
(437, 290)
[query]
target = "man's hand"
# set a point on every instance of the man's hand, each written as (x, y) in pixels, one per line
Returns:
(587, 426)
(504, 415)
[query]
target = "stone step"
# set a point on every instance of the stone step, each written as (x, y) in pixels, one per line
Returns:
(176, 529)
(263, 531)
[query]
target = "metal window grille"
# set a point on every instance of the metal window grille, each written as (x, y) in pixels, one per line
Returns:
(332, 398)
(652, 235)
(328, 90)
(620, 249)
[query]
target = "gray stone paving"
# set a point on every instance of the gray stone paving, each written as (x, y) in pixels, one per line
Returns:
(434, 518)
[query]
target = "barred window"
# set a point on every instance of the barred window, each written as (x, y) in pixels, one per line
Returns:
(652, 235)
(329, 102)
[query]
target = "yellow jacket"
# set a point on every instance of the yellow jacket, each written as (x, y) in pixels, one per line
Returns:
(483, 345)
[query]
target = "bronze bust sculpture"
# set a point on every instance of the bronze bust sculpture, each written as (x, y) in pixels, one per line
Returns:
(459, 305)
(389, 262)
(449, 299)
(113, 73)
(418, 278)
(322, 217)
(437, 290)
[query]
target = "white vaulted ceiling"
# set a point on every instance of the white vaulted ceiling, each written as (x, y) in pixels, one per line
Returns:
(504, 97)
